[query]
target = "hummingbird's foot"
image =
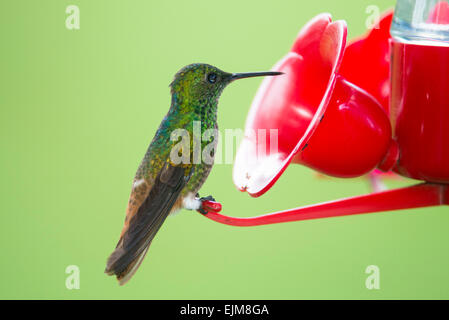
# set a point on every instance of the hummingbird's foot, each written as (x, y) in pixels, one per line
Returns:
(208, 204)
(208, 198)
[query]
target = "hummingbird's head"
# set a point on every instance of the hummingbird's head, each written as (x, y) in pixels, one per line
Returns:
(202, 82)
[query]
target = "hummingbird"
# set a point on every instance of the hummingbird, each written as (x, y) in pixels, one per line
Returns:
(162, 186)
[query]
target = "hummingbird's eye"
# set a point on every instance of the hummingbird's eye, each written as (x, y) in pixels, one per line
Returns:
(212, 78)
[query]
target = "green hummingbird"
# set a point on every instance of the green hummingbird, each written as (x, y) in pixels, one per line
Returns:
(162, 186)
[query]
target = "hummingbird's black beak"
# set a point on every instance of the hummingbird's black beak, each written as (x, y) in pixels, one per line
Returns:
(236, 76)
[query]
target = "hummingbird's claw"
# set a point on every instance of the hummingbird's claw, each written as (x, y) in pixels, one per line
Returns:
(208, 204)
(208, 198)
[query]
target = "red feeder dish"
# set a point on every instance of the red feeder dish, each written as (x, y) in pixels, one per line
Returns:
(321, 120)
(326, 122)
(366, 62)
(370, 55)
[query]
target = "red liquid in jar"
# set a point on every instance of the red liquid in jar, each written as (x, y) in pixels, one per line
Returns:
(420, 110)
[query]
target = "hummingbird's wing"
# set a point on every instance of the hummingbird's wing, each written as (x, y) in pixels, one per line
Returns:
(143, 224)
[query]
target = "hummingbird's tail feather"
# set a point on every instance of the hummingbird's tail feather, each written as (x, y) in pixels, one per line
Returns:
(125, 275)
(145, 223)
(130, 250)
(132, 268)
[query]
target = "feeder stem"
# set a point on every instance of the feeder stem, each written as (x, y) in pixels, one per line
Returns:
(417, 196)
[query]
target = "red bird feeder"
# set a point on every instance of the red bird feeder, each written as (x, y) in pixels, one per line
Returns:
(327, 116)
(366, 62)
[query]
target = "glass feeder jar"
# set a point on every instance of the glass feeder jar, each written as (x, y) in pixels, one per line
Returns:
(419, 105)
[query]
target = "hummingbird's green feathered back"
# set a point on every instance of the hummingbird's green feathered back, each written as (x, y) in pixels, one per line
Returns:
(162, 186)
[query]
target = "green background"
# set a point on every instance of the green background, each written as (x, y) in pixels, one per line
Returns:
(78, 110)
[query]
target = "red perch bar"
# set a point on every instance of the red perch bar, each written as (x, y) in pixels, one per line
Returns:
(418, 196)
